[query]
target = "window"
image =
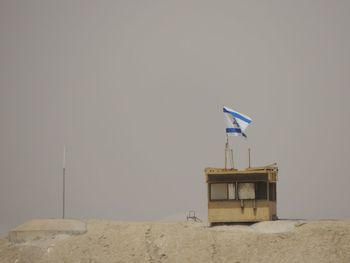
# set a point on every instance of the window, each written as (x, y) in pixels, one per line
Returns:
(242, 191)
(261, 191)
(218, 191)
(246, 190)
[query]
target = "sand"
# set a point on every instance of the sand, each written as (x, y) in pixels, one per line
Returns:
(46, 228)
(113, 241)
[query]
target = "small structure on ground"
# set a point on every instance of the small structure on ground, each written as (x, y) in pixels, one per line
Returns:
(234, 195)
(241, 195)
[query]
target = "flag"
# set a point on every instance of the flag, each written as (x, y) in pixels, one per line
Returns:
(236, 122)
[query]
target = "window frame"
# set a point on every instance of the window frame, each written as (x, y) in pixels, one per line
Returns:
(236, 191)
(210, 198)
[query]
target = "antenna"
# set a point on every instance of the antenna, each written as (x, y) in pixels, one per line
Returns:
(64, 182)
(232, 164)
(249, 157)
(226, 149)
(228, 154)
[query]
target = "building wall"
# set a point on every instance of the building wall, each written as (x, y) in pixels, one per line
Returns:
(231, 211)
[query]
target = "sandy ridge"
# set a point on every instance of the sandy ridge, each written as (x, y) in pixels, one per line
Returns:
(113, 241)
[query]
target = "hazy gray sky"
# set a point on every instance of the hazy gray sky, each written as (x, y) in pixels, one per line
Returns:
(135, 90)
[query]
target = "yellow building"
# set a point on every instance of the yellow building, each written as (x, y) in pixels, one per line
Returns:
(241, 195)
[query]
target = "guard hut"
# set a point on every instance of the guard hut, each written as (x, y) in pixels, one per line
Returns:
(247, 195)
(235, 195)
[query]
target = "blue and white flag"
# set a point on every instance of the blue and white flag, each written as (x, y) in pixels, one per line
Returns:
(236, 122)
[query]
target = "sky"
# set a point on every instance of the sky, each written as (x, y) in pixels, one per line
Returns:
(135, 90)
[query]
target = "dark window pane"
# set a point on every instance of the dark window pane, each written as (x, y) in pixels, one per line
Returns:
(261, 190)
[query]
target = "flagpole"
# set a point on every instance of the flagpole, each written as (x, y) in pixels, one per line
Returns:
(226, 149)
(236, 123)
(228, 154)
(232, 164)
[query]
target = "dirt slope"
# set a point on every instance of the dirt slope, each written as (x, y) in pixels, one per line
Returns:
(112, 241)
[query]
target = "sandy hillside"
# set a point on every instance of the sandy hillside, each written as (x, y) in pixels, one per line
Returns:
(112, 241)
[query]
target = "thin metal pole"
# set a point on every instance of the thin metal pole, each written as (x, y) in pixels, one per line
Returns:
(232, 164)
(249, 157)
(64, 193)
(225, 156)
(228, 154)
(226, 150)
(64, 183)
